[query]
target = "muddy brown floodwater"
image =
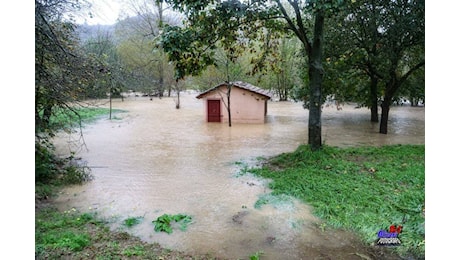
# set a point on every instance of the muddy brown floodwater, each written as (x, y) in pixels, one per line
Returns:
(156, 159)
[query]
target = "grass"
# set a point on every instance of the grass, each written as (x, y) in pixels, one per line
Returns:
(134, 251)
(164, 223)
(363, 189)
(65, 119)
(61, 231)
(256, 255)
(73, 235)
(132, 221)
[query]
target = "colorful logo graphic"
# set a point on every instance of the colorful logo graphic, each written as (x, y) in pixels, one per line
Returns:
(390, 237)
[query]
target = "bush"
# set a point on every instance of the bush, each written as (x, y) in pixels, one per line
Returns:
(45, 162)
(52, 172)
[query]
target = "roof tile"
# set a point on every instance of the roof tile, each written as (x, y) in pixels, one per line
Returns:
(242, 85)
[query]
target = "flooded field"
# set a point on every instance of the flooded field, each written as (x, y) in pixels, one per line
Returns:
(156, 159)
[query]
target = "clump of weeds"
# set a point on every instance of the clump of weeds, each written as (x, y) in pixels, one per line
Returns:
(132, 221)
(164, 223)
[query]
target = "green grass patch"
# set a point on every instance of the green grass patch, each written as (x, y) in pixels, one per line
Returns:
(134, 251)
(164, 223)
(62, 231)
(256, 255)
(74, 235)
(65, 119)
(363, 189)
(132, 221)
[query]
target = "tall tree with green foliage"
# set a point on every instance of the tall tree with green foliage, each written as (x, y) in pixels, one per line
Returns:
(223, 70)
(385, 40)
(413, 89)
(403, 29)
(351, 64)
(149, 20)
(101, 47)
(147, 62)
(62, 72)
(61, 69)
(209, 22)
(276, 64)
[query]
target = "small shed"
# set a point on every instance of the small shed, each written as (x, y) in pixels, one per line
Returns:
(248, 103)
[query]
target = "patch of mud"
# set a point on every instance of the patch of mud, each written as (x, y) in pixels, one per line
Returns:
(338, 244)
(238, 217)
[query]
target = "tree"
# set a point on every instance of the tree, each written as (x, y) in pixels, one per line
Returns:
(140, 60)
(275, 63)
(352, 55)
(413, 88)
(227, 61)
(386, 41)
(150, 20)
(61, 69)
(283, 67)
(404, 34)
(101, 47)
(62, 72)
(210, 22)
(147, 61)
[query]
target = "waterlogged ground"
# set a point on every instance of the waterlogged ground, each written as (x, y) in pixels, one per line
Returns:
(155, 159)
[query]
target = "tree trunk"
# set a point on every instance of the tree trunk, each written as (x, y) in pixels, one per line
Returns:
(161, 81)
(229, 89)
(47, 111)
(159, 5)
(374, 100)
(110, 101)
(385, 112)
(316, 72)
(178, 100)
(178, 94)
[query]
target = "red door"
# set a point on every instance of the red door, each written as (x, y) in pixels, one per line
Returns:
(213, 110)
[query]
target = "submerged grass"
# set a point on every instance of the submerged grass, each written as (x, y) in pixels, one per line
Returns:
(277, 201)
(132, 221)
(66, 119)
(363, 189)
(164, 223)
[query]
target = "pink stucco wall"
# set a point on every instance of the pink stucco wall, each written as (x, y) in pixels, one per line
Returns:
(245, 106)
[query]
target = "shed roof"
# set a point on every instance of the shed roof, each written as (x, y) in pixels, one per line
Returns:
(242, 85)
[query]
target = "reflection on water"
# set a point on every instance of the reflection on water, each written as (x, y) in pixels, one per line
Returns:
(156, 159)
